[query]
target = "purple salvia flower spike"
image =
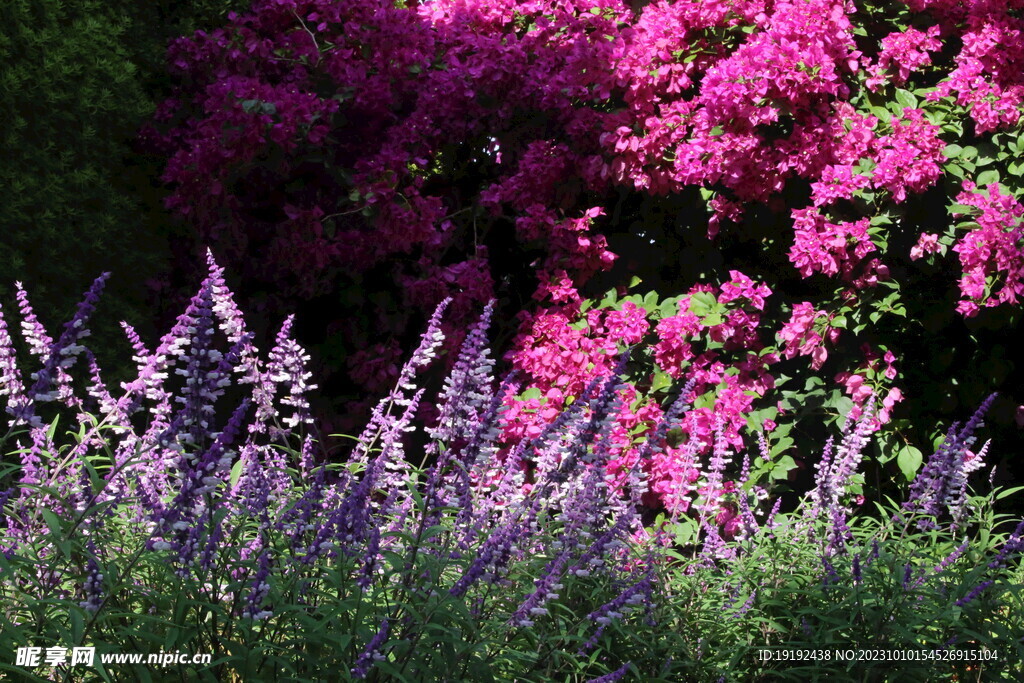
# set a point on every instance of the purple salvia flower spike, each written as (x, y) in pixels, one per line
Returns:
(287, 369)
(612, 677)
(372, 653)
(943, 565)
(258, 591)
(491, 558)
(745, 607)
(232, 323)
(467, 388)
(907, 576)
(64, 351)
(770, 521)
(941, 484)
(19, 406)
(427, 349)
(92, 590)
(822, 492)
(35, 335)
(381, 414)
(973, 594)
(1014, 544)
(306, 457)
(831, 576)
(138, 347)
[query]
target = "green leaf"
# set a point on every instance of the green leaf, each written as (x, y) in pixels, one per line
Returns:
(52, 522)
(660, 381)
(952, 151)
(988, 177)
(1009, 492)
(531, 393)
(712, 320)
(909, 460)
(236, 472)
(881, 113)
(962, 208)
(702, 303)
(784, 464)
(906, 99)
(669, 307)
(685, 532)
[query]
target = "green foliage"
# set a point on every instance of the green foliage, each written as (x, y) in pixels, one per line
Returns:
(77, 81)
(71, 100)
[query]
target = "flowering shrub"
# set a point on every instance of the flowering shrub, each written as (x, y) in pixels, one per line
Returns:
(163, 521)
(386, 156)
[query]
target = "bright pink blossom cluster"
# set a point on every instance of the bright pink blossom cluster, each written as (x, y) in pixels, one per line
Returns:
(989, 74)
(903, 52)
(910, 158)
(991, 255)
(927, 243)
(871, 379)
(806, 333)
(829, 248)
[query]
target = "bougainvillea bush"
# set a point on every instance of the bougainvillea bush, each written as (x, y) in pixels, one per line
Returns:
(192, 512)
(807, 194)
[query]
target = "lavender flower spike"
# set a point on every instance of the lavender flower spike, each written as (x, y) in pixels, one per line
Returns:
(287, 368)
(467, 389)
(973, 594)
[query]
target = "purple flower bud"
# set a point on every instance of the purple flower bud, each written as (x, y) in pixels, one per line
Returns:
(907, 575)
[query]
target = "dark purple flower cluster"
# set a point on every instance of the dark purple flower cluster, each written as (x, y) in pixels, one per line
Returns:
(372, 653)
(940, 487)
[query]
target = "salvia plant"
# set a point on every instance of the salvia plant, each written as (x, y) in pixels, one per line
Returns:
(194, 510)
